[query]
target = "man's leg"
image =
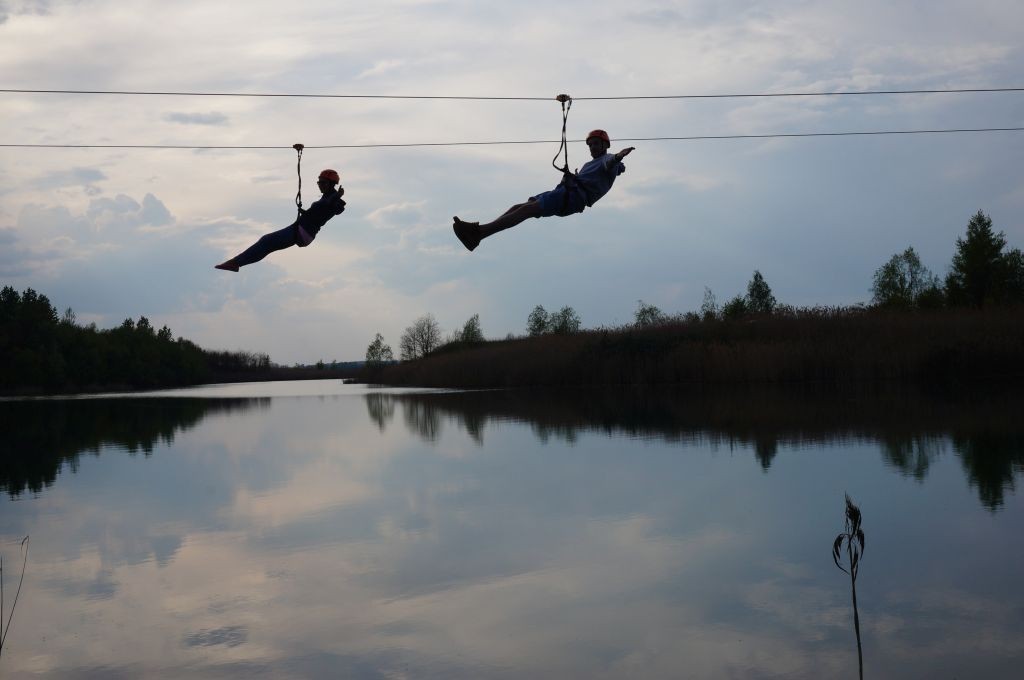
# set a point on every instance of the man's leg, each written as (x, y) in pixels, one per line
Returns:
(471, 233)
(515, 215)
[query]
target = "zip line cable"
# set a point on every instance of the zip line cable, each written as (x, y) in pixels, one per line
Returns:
(511, 142)
(972, 90)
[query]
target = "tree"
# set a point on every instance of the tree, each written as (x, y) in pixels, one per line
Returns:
(378, 351)
(759, 295)
(903, 282)
(1013, 276)
(735, 308)
(648, 315)
(471, 330)
(709, 307)
(564, 321)
(977, 264)
(537, 322)
(420, 338)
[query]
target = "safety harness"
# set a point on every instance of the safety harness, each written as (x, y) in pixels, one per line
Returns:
(568, 177)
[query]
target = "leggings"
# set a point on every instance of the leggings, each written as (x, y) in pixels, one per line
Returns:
(268, 243)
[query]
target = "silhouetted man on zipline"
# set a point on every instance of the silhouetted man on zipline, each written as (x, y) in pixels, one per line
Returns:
(575, 192)
(301, 232)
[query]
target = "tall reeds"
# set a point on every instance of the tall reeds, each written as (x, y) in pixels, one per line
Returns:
(850, 345)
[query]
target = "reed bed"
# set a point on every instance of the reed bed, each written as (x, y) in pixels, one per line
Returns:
(830, 346)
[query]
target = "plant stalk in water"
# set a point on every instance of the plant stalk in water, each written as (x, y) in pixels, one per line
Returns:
(853, 539)
(4, 630)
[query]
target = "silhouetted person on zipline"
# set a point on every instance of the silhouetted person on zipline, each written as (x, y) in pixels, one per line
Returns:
(301, 232)
(574, 193)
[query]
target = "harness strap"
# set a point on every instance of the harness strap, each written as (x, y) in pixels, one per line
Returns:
(568, 178)
(563, 147)
(298, 169)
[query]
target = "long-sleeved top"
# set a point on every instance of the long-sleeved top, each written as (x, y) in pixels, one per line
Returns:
(321, 210)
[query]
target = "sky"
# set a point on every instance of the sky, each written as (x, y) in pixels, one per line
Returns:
(117, 233)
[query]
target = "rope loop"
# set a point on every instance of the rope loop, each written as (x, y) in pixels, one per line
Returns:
(298, 169)
(566, 102)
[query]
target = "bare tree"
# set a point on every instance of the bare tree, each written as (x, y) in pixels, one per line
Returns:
(419, 339)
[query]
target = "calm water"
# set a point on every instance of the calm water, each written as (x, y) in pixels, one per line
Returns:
(314, 529)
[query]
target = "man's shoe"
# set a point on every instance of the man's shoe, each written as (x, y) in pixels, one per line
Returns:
(468, 233)
(228, 266)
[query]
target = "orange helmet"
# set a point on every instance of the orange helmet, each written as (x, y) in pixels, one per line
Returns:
(330, 175)
(600, 134)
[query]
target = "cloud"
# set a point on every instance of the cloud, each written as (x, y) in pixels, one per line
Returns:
(381, 67)
(212, 118)
(32, 7)
(154, 212)
(401, 216)
(123, 214)
(75, 177)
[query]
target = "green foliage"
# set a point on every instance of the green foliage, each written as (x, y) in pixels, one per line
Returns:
(904, 283)
(537, 322)
(564, 322)
(471, 332)
(648, 315)
(735, 308)
(978, 273)
(759, 298)
(39, 352)
(1012, 276)
(378, 351)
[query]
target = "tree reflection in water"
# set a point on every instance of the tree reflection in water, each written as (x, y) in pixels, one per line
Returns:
(42, 436)
(913, 428)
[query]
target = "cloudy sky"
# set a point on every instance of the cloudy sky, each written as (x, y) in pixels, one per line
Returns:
(114, 233)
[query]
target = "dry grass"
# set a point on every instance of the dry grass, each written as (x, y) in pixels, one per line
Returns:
(816, 345)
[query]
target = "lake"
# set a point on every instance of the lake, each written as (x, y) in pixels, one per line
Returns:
(316, 529)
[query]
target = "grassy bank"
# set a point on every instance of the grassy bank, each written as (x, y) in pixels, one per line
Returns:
(816, 345)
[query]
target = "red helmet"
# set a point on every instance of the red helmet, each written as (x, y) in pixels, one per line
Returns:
(600, 134)
(330, 175)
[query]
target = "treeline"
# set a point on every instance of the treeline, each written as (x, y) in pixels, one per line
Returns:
(918, 328)
(821, 345)
(43, 352)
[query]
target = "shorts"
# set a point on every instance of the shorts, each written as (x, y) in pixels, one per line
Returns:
(561, 201)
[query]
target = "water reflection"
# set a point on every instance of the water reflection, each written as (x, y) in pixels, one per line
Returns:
(41, 437)
(912, 427)
(508, 535)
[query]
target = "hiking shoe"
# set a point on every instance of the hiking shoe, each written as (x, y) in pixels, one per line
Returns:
(468, 233)
(228, 266)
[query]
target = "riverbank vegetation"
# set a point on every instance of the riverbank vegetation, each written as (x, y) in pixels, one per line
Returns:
(920, 329)
(832, 345)
(41, 352)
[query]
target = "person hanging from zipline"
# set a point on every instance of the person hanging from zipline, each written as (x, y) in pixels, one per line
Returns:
(301, 232)
(573, 194)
